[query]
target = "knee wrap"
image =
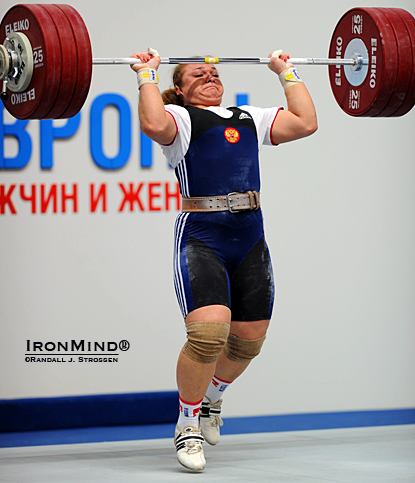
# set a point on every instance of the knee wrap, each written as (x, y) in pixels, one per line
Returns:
(205, 340)
(242, 350)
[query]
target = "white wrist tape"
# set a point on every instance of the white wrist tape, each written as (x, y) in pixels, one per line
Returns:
(289, 77)
(147, 76)
(276, 53)
(153, 52)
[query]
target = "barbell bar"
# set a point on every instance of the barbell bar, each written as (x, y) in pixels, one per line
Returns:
(46, 61)
(356, 61)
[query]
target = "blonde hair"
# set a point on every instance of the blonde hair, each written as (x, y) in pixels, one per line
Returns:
(170, 96)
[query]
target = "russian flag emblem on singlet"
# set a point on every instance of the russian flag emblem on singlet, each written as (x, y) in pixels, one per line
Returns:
(232, 135)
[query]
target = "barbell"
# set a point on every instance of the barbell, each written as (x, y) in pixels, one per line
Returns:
(46, 61)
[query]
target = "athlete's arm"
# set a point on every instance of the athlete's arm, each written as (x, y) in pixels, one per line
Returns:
(299, 119)
(155, 122)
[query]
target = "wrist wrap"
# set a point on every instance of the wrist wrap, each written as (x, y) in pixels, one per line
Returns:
(147, 76)
(289, 77)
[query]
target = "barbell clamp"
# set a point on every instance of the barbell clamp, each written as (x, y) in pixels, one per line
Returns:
(4, 94)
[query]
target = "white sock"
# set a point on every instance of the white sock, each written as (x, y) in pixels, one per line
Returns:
(216, 389)
(189, 413)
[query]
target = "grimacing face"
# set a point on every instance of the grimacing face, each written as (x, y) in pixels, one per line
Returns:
(201, 86)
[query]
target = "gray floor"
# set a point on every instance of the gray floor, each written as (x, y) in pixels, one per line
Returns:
(364, 455)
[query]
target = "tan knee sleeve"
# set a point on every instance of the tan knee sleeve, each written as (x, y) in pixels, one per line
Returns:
(242, 350)
(205, 340)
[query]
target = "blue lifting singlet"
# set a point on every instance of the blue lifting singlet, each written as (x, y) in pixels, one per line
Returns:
(221, 257)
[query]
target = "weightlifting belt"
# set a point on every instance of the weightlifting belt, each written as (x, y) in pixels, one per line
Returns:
(233, 202)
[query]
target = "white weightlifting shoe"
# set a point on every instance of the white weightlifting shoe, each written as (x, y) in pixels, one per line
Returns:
(210, 420)
(188, 443)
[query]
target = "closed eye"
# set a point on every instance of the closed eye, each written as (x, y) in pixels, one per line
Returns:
(213, 75)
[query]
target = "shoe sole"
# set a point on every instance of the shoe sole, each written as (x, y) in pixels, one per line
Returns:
(191, 469)
(207, 441)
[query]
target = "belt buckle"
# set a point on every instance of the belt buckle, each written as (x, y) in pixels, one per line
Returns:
(228, 201)
(254, 200)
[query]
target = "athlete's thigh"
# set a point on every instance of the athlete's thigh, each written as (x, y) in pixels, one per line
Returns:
(252, 286)
(200, 277)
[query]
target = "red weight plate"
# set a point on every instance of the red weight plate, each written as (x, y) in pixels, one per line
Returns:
(369, 28)
(409, 100)
(69, 61)
(36, 24)
(404, 71)
(84, 56)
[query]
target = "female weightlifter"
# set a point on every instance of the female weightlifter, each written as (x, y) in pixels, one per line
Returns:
(222, 268)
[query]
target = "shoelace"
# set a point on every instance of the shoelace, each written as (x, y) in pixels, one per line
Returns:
(190, 440)
(193, 447)
(216, 420)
